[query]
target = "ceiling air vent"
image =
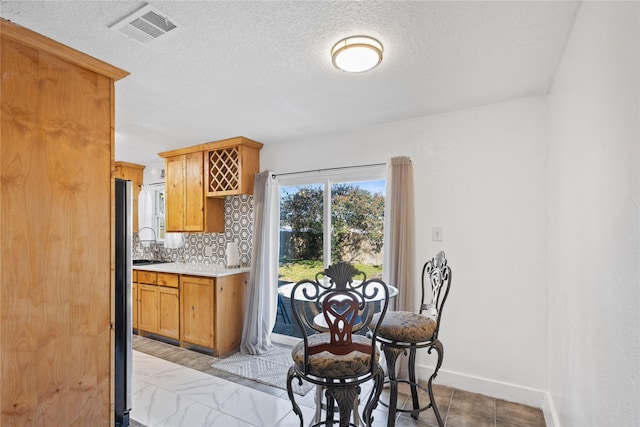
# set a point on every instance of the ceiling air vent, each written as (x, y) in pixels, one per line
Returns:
(146, 25)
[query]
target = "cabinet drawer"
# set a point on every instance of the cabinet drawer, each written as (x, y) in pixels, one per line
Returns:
(168, 279)
(147, 277)
(134, 276)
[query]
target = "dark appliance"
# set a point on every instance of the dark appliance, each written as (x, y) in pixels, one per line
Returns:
(123, 296)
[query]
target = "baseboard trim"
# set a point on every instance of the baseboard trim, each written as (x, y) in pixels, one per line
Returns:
(284, 339)
(549, 411)
(497, 389)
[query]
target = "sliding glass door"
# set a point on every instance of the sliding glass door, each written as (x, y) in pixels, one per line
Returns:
(326, 219)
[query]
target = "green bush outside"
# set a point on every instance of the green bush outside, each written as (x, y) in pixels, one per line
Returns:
(293, 270)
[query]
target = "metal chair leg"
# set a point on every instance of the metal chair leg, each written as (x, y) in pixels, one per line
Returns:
(291, 375)
(372, 402)
(437, 345)
(391, 355)
(413, 383)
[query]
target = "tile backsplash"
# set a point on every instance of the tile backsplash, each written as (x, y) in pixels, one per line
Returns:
(238, 226)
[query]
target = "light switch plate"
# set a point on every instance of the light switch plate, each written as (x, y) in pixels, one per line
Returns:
(208, 251)
(436, 233)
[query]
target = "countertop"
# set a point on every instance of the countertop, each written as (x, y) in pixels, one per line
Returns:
(194, 269)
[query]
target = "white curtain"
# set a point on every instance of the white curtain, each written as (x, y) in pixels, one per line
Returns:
(262, 291)
(145, 216)
(399, 231)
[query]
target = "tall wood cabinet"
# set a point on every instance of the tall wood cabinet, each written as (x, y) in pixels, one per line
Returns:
(56, 258)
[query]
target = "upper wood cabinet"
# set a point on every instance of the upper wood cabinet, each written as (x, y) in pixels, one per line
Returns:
(231, 165)
(198, 178)
(56, 219)
(131, 172)
(186, 207)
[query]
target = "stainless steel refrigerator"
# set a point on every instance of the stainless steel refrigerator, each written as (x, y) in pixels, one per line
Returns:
(123, 301)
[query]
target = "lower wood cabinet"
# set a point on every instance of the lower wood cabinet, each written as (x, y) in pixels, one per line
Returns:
(159, 306)
(212, 311)
(201, 311)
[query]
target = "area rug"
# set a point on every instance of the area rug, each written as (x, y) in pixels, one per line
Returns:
(269, 368)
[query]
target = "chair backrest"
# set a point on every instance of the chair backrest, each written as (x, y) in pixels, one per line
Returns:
(436, 282)
(343, 303)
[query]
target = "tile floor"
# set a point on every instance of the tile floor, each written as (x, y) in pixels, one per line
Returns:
(175, 387)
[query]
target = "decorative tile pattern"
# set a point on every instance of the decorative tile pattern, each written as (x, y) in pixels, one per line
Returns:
(238, 213)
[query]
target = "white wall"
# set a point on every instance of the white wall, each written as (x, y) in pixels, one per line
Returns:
(481, 174)
(594, 333)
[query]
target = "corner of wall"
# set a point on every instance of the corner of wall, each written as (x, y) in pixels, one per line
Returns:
(551, 418)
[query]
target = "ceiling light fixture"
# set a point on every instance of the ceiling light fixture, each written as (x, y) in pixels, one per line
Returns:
(356, 54)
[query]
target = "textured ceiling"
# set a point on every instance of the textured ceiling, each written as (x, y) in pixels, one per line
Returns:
(262, 69)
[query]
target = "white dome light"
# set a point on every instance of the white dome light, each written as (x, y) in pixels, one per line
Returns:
(356, 54)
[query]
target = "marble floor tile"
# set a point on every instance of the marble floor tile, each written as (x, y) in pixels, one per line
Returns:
(176, 387)
(254, 407)
(151, 404)
(198, 415)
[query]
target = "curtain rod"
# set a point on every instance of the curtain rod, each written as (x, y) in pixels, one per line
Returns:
(327, 169)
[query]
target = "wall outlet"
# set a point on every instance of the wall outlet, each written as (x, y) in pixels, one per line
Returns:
(208, 251)
(436, 233)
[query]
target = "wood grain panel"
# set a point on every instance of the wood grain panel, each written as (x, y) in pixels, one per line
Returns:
(230, 295)
(36, 41)
(197, 307)
(174, 194)
(55, 228)
(169, 312)
(134, 173)
(168, 279)
(194, 192)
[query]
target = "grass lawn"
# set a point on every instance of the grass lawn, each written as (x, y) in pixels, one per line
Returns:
(293, 270)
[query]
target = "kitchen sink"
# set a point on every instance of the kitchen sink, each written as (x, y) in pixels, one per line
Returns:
(147, 262)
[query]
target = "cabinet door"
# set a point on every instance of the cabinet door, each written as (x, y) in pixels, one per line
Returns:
(148, 308)
(134, 173)
(196, 315)
(169, 312)
(174, 193)
(193, 192)
(230, 294)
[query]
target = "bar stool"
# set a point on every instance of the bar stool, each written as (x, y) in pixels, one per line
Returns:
(400, 331)
(331, 356)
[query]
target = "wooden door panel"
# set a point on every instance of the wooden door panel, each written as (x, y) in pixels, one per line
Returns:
(169, 312)
(230, 294)
(148, 308)
(194, 192)
(174, 193)
(197, 302)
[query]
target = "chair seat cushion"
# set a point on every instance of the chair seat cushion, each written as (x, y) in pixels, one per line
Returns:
(405, 326)
(327, 365)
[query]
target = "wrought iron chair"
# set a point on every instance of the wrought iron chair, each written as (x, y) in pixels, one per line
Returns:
(400, 331)
(331, 355)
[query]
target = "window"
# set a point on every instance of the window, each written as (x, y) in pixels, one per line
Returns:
(326, 218)
(157, 190)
